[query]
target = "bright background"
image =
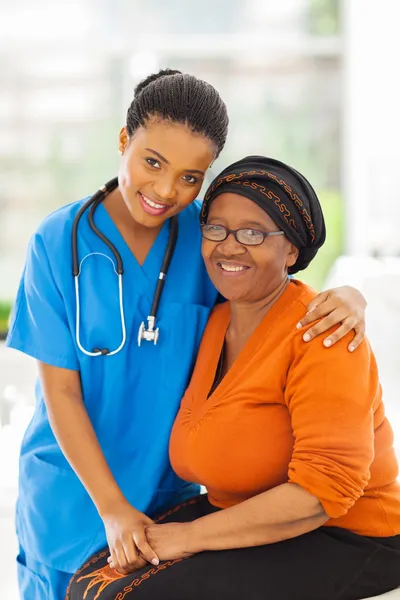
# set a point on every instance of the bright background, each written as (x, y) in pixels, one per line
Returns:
(310, 82)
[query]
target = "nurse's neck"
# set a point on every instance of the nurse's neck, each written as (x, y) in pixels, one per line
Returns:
(138, 238)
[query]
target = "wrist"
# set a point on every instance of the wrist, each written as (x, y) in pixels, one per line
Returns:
(111, 504)
(194, 538)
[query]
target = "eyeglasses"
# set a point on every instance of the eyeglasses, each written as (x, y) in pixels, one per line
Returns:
(247, 237)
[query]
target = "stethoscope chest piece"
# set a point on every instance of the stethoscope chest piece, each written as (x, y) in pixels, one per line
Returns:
(148, 333)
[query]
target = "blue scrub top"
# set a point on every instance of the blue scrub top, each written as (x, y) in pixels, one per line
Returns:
(132, 397)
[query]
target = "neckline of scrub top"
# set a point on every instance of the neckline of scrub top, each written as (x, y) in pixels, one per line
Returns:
(152, 264)
(204, 402)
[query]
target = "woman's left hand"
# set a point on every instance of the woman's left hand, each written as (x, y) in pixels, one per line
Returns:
(169, 541)
(344, 306)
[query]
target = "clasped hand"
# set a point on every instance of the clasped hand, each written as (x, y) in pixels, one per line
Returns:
(135, 540)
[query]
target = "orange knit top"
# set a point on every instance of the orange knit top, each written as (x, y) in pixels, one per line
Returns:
(290, 411)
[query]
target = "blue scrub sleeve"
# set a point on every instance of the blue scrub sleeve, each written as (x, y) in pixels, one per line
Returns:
(39, 325)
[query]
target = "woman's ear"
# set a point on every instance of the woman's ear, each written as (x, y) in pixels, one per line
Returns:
(292, 256)
(123, 140)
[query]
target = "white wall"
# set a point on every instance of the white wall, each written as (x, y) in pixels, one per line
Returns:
(371, 105)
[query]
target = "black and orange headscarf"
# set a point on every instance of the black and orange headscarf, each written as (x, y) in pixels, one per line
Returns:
(285, 194)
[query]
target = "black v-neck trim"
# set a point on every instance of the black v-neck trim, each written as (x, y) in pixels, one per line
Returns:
(218, 373)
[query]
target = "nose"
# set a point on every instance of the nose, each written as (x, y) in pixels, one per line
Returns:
(165, 188)
(231, 247)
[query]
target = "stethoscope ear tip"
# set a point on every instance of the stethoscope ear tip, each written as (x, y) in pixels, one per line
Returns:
(103, 351)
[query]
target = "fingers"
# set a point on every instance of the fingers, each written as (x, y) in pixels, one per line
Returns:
(317, 313)
(347, 325)
(119, 560)
(145, 549)
(328, 313)
(125, 557)
(358, 338)
(113, 559)
(315, 302)
(140, 563)
(334, 318)
(131, 552)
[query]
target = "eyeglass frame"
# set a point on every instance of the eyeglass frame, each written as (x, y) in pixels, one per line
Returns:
(265, 234)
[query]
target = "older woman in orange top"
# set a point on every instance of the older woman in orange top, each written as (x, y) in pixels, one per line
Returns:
(290, 440)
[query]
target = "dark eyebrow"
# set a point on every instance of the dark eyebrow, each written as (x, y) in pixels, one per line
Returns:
(164, 160)
(160, 156)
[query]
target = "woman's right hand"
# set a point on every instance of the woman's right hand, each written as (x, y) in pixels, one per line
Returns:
(126, 537)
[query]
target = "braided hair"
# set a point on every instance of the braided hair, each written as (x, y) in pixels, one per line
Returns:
(178, 97)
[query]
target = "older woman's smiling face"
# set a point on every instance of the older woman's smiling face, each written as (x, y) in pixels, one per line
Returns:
(246, 273)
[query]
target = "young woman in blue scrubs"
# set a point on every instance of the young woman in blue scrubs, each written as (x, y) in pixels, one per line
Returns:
(94, 461)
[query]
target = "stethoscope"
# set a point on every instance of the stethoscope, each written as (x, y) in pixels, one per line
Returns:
(149, 333)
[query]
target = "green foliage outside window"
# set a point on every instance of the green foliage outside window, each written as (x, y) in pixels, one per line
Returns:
(5, 309)
(323, 17)
(318, 270)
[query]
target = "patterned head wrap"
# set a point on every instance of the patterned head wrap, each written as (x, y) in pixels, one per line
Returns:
(283, 193)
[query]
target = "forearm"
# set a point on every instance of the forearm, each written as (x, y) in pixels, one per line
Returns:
(284, 512)
(77, 439)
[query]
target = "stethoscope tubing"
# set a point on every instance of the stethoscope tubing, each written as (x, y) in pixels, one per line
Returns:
(169, 252)
(105, 351)
(98, 197)
(150, 334)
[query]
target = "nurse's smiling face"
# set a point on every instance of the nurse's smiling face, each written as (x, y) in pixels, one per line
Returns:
(162, 170)
(246, 273)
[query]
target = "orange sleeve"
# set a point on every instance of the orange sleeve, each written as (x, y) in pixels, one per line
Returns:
(330, 394)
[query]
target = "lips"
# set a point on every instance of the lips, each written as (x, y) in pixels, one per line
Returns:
(153, 207)
(231, 268)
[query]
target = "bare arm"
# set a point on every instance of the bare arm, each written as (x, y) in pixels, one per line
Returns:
(125, 526)
(75, 434)
(281, 513)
